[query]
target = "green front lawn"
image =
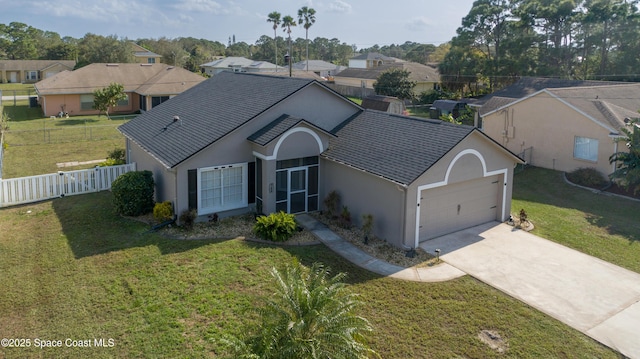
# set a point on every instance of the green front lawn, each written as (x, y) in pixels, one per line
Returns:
(603, 226)
(72, 269)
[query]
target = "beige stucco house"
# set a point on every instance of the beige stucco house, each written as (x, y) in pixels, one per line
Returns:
(243, 142)
(31, 71)
(564, 128)
(146, 86)
(144, 56)
(426, 77)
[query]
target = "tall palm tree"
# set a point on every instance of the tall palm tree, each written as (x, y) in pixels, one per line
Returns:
(307, 16)
(287, 23)
(311, 315)
(274, 18)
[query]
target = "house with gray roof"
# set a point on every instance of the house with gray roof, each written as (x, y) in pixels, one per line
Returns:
(242, 142)
(562, 124)
(239, 64)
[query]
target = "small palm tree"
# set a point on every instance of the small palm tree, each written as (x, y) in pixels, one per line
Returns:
(628, 163)
(311, 315)
(274, 18)
(307, 16)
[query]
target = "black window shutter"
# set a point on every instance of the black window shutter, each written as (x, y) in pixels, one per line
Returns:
(252, 182)
(192, 183)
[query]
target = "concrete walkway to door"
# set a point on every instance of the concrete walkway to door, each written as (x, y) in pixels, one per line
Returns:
(596, 297)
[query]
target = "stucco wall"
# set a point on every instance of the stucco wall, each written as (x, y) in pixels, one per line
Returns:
(363, 193)
(550, 127)
(51, 105)
(164, 179)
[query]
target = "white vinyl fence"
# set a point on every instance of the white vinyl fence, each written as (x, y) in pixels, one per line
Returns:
(22, 190)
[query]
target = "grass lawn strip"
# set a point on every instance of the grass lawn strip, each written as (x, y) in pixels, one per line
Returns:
(78, 271)
(603, 226)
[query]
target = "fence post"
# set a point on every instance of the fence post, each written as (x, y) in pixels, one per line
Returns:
(98, 179)
(61, 183)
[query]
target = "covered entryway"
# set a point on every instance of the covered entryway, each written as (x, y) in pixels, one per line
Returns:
(297, 186)
(456, 206)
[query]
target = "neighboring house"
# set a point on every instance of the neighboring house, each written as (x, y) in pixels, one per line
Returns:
(146, 86)
(370, 60)
(239, 64)
(241, 142)
(562, 128)
(31, 71)
(144, 56)
(384, 103)
(426, 77)
(321, 68)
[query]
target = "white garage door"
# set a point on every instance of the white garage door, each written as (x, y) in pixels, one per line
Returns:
(458, 206)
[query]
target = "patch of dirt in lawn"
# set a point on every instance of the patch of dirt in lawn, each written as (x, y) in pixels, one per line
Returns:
(493, 340)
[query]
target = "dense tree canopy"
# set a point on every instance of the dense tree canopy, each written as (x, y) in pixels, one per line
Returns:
(500, 40)
(395, 82)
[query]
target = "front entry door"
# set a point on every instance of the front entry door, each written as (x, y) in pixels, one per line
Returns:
(297, 190)
(294, 182)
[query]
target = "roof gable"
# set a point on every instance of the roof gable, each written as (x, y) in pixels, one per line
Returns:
(208, 112)
(278, 127)
(606, 104)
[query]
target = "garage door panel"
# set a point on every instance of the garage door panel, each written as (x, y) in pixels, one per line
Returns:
(457, 206)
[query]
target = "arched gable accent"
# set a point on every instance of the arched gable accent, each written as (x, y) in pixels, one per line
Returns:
(445, 182)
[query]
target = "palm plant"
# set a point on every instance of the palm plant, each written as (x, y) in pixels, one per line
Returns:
(311, 315)
(306, 16)
(628, 163)
(274, 18)
(287, 23)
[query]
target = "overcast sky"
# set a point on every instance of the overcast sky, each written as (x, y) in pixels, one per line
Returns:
(360, 22)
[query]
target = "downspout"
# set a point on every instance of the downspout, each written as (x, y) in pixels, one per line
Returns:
(615, 150)
(403, 216)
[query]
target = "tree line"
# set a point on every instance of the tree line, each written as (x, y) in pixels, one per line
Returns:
(19, 41)
(501, 40)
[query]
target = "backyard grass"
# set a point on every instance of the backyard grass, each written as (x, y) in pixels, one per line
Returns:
(34, 145)
(603, 226)
(73, 269)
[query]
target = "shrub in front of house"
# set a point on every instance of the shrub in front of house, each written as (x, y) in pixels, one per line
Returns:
(163, 211)
(133, 193)
(588, 177)
(276, 227)
(188, 218)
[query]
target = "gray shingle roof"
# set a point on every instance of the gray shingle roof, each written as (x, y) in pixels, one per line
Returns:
(208, 112)
(394, 147)
(527, 86)
(276, 128)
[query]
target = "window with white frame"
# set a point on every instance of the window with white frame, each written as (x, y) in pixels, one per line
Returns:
(222, 188)
(585, 148)
(32, 75)
(123, 102)
(86, 102)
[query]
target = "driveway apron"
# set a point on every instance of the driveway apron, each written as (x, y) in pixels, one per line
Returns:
(596, 297)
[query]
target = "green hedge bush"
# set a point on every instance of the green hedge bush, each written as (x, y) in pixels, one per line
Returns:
(276, 227)
(588, 177)
(133, 193)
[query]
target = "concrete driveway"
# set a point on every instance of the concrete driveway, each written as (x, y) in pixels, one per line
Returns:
(596, 297)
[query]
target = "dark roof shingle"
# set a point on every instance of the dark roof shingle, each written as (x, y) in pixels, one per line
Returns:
(397, 148)
(208, 112)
